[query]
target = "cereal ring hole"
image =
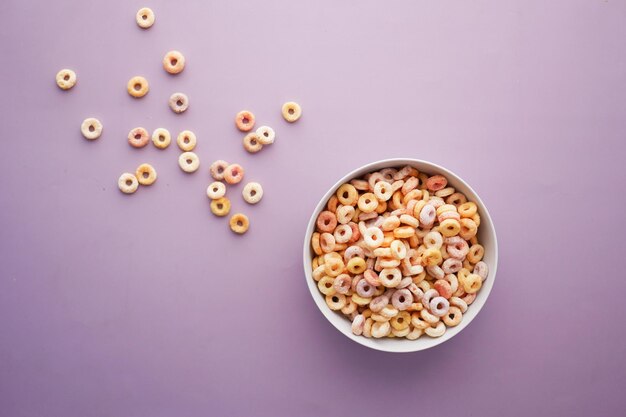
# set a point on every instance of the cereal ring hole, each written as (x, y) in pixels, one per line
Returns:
(220, 206)
(91, 128)
(335, 299)
(245, 120)
(189, 161)
(137, 86)
(173, 61)
(220, 169)
(186, 139)
(179, 103)
(252, 141)
(215, 189)
(129, 182)
(400, 319)
(328, 285)
(67, 77)
(239, 223)
(161, 138)
(290, 111)
(266, 134)
(137, 136)
(144, 17)
(253, 193)
(401, 299)
(146, 175)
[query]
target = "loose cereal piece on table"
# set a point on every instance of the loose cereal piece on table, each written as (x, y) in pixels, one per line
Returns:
(291, 111)
(252, 142)
(244, 120)
(145, 17)
(91, 128)
(146, 174)
(266, 135)
(66, 79)
(216, 190)
(138, 137)
(239, 223)
(233, 173)
(127, 183)
(189, 162)
(161, 138)
(218, 168)
(252, 192)
(138, 86)
(186, 140)
(220, 206)
(178, 102)
(173, 62)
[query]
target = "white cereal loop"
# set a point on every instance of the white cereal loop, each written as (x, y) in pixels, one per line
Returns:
(252, 192)
(161, 138)
(145, 17)
(383, 190)
(436, 331)
(189, 162)
(373, 237)
(178, 102)
(216, 190)
(291, 111)
(127, 183)
(266, 135)
(390, 277)
(433, 240)
(186, 140)
(66, 79)
(91, 128)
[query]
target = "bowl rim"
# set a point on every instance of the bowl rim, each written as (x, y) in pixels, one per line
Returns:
(406, 345)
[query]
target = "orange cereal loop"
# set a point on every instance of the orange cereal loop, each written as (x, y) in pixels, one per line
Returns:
(315, 243)
(333, 202)
(244, 120)
(233, 173)
(173, 62)
(382, 207)
(220, 206)
(347, 195)
(456, 199)
(239, 223)
(326, 221)
(475, 254)
(146, 174)
(137, 87)
(368, 202)
(467, 209)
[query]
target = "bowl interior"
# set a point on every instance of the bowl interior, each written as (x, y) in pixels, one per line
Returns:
(486, 237)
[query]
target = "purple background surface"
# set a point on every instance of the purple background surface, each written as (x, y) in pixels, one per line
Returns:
(147, 305)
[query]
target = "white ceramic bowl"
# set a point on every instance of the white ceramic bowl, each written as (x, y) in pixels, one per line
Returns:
(486, 236)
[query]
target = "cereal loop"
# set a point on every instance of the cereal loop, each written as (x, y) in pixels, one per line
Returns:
(161, 138)
(186, 140)
(217, 169)
(178, 102)
(239, 224)
(244, 120)
(66, 79)
(266, 135)
(127, 183)
(145, 17)
(291, 111)
(173, 62)
(220, 206)
(189, 162)
(216, 190)
(91, 128)
(146, 174)
(252, 142)
(233, 174)
(138, 137)
(137, 87)
(252, 192)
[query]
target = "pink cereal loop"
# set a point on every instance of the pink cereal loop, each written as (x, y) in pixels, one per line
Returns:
(443, 288)
(449, 215)
(365, 289)
(388, 174)
(428, 295)
(481, 269)
(379, 303)
(458, 250)
(342, 284)
(351, 252)
(402, 299)
(436, 182)
(357, 324)
(427, 216)
(217, 169)
(406, 281)
(452, 266)
(439, 306)
(409, 185)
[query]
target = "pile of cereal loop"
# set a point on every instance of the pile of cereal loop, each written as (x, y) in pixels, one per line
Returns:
(397, 253)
